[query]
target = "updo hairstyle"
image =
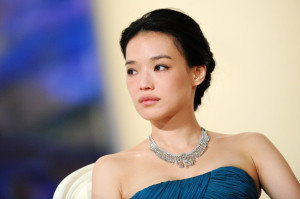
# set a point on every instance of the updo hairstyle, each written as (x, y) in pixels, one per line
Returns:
(188, 37)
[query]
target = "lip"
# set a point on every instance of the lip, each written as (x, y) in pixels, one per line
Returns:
(148, 100)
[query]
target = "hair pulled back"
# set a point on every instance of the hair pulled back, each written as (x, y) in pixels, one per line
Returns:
(186, 32)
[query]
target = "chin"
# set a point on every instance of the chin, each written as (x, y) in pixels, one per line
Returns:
(154, 114)
(150, 116)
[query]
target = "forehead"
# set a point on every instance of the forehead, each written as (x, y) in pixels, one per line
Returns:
(150, 43)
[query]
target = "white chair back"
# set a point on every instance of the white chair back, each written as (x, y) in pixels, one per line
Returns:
(77, 185)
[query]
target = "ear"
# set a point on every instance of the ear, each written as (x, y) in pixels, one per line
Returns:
(199, 73)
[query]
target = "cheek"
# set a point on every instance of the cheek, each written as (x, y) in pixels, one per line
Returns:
(177, 89)
(180, 83)
(131, 86)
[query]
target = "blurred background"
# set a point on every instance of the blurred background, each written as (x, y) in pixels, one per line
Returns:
(53, 111)
(63, 96)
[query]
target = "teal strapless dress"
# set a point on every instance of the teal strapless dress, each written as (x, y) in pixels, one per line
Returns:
(225, 182)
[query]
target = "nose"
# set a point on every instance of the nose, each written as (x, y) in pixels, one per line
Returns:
(146, 82)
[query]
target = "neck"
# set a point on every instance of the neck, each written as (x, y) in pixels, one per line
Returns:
(177, 134)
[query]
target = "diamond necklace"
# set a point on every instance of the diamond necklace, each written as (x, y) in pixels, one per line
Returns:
(184, 159)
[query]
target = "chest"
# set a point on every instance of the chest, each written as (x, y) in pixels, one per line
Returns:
(145, 172)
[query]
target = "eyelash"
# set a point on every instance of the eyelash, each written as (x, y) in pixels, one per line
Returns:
(165, 67)
(156, 68)
(130, 71)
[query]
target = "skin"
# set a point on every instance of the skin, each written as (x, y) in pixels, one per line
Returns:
(157, 68)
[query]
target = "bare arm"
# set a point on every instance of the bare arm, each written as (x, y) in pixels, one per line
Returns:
(105, 183)
(276, 177)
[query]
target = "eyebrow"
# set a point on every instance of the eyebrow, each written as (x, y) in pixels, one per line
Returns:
(152, 58)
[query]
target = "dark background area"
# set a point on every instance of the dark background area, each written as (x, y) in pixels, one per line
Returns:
(52, 105)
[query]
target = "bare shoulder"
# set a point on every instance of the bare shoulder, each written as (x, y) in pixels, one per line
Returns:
(110, 171)
(245, 140)
(110, 161)
(112, 165)
(252, 139)
(107, 163)
(118, 161)
(276, 176)
(257, 144)
(244, 135)
(105, 178)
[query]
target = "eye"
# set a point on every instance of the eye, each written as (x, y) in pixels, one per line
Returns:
(160, 67)
(131, 72)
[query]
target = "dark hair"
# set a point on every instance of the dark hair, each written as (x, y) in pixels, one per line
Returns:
(186, 32)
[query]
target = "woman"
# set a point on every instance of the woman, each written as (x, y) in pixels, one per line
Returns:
(169, 66)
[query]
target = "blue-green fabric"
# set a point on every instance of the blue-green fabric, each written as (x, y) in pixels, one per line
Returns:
(225, 182)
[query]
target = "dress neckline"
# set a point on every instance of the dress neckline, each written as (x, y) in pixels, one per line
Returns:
(201, 175)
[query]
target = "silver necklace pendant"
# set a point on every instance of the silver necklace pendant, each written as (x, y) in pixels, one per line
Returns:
(184, 159)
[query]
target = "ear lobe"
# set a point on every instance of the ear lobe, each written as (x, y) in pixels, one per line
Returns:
(199, 74)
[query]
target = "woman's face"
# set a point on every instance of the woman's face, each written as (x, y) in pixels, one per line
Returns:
(158, 79)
